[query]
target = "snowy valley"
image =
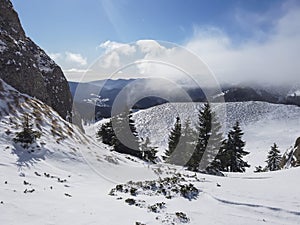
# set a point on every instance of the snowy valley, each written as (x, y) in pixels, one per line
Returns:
(61, 159)
(70, 179)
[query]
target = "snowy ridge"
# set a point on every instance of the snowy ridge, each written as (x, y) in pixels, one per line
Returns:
(262, 123)
(60, 141)
(55, 131)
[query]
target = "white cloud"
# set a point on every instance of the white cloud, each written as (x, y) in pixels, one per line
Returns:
(111, 60)
(75, 74)
(275, 60)
(121, 48)
(68, 58)
(113, 52)
(149, 58)
(151, 47)
(75, 70)
(55, 56)
(74, 65)
(266, 55)
(76, 58)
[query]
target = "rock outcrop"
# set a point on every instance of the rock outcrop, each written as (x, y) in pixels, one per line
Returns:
(26, 67)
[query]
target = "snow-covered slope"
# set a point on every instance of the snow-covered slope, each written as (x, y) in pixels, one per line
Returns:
(59, 139)
(263, 124)
(60, 142)
(68, 181)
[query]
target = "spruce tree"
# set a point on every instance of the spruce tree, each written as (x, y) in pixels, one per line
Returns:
(106, 133)
(174, 138)
(114, 129)
(208, 141)
(212, 158)
(221, 158)
(27, 136)
(131, 142)
(274, 158)
(187, 144)
(233, 151)
(149, 152)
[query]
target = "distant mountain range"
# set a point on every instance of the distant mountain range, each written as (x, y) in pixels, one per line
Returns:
(98, 96)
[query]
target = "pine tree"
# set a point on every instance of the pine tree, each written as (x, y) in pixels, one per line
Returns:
(174, 138)
(186, 145)
(27, 136)
(106, 133)
(221, 158)
(125, 142)
(114, 133)
(274, 158)
(233, 151)
(208, 141)
(149, 152)
(211, 161)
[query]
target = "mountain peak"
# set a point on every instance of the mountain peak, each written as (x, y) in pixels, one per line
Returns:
(26, 67)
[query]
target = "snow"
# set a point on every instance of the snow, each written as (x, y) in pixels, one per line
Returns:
(3, 46)
(71, 179)
(241, 199)
(18, 53)
(262, 123)
(295, 93)
(44, 65)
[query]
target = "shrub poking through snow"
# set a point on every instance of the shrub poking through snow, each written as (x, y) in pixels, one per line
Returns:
(182, 217)
(139, 223)
(130, 201)
(189, 191)
(157, 207)
(169, 187)
(175, 186)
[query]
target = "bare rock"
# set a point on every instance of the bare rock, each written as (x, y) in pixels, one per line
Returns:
(26, 67)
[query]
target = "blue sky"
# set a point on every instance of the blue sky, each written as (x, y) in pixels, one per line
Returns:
(84, 24)
(75, 28)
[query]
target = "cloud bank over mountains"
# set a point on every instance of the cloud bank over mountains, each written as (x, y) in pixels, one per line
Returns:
(269, 55)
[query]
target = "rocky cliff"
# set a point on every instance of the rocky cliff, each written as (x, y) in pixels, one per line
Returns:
(26, 67)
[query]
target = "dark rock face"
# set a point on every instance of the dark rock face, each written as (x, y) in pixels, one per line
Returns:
(26, 67)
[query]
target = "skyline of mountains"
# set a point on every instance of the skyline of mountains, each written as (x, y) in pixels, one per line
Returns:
(91, 93)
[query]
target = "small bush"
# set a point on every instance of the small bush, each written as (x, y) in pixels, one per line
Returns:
(139, 223)
(156, 208)
(189, 191)
(182, 217)
(130, 201)
(27, 136)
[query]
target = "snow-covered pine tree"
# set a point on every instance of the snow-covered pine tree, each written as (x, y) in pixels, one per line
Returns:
(185, 146)
(274, 158)
(27, 136)
(221, 158)
(174, 138)
(208, 130)
(149, 152)
(114, 128)
(106, 133)
(211, 160)
(120, 122)
(233, 150)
